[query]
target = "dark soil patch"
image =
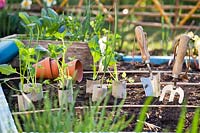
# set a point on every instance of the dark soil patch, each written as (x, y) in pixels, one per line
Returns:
(165, 118)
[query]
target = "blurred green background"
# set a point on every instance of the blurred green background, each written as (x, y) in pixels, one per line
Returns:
(158, 37)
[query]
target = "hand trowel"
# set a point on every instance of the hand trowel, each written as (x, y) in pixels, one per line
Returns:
(150, 84)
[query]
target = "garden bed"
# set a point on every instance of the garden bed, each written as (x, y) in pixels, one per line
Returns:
(164, 115)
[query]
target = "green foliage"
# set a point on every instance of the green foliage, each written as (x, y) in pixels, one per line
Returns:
(124, 76)
(10, 23)
(7, 69)
(142, 117)
(95, 49)
(181, 122)
(66, 119)
(195, 121)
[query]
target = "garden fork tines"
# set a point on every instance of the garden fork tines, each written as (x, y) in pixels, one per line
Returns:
(180, 52)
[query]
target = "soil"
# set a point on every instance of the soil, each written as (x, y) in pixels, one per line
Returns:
(165, 118)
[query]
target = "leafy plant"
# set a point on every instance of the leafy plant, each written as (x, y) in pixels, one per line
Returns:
(142, 117)
(27, 57)
(55, 52)
(195, 121)
(181, 122)
(130, 79)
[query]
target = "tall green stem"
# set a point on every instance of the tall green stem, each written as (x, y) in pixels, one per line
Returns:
(115, 32)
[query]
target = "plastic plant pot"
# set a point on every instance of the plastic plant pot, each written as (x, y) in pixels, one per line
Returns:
(119, 89)
(99, 92)
(90, 85)
(66, 95)
(8, 50)
(35, 91)
(75, 70)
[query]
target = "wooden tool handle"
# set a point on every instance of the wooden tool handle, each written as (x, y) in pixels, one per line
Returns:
(180, 54)
(140, 36)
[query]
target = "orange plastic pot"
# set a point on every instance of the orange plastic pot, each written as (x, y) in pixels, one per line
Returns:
(75, 70)
(47, 69)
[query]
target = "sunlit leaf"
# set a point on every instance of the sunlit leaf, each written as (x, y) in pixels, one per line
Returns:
(7, 69)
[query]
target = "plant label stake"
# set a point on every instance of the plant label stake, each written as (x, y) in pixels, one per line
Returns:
(180, 52)
(151, 84)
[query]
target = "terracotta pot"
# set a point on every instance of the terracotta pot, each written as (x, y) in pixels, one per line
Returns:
(90, 85)
(99, 92)
(54, 69)
(46, 68)
(119, 89)
(75, 70)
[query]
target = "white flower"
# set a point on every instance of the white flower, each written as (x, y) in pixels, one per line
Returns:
(197, 43)
(101, 67)
(26, 4)
(50, 2)
(70, 17)
(125, 11)
(102, 44)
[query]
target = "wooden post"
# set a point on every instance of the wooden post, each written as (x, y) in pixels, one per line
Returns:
(64, 2)
(176, 15)
(190, 14)
(162, 12)
(39, 3)
(110, 18)
(80, 3)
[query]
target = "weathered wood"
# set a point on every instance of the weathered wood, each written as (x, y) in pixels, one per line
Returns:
(109, 106)
(162, 12)
(155, 14)
(78, 50)
(7, 124)
(154, 24)
(183, 21)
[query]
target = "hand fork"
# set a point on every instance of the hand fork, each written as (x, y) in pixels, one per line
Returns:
(180, 50)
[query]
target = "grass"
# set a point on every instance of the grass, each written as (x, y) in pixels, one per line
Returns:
(68, 119)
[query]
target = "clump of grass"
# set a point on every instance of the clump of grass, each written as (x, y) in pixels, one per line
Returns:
(181, 122)
(66, 119)
(142, 117)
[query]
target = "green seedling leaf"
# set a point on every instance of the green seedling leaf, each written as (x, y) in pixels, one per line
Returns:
(195, 121)
(43, 12)
(124, 75)
(19, 43)
(46, 82)
(131, 80)
(181, 122)
(35, 20)
(7, 69)
(25, 17)
(52, 13)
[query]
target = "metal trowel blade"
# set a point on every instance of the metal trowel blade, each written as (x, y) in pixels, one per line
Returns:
(146, 82)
